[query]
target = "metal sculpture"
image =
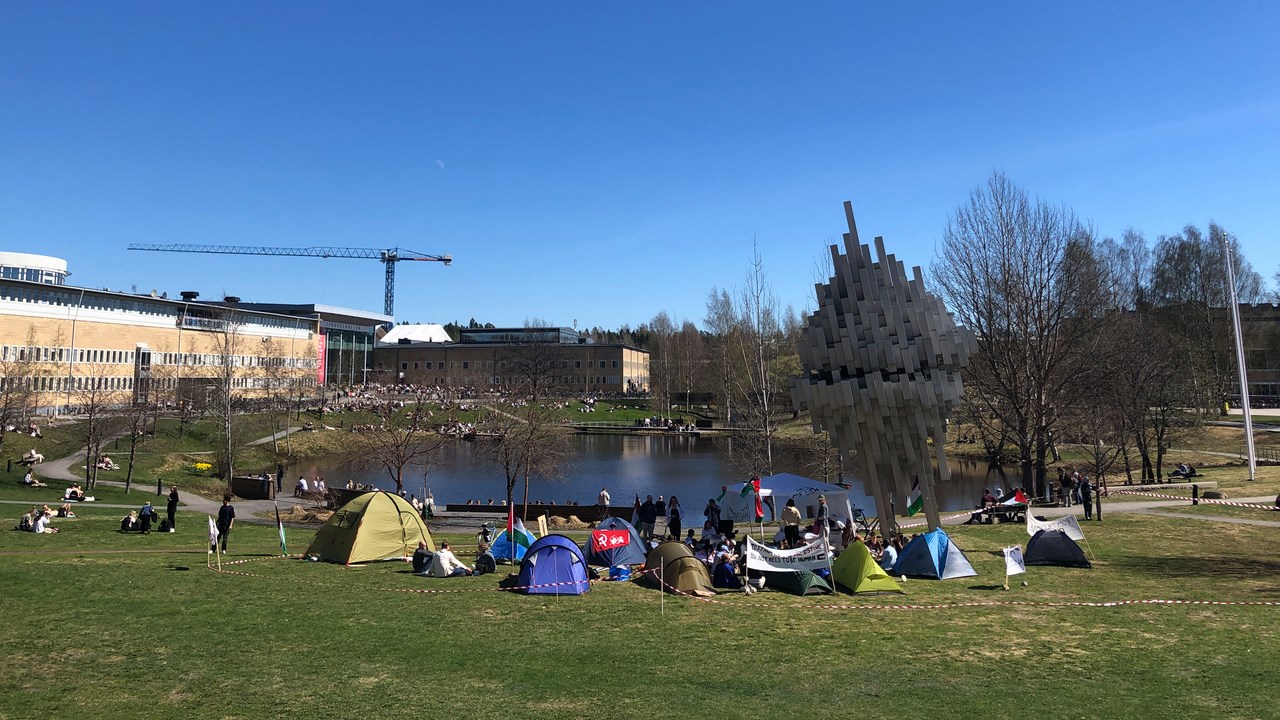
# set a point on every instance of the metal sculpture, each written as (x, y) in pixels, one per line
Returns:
(882, 361)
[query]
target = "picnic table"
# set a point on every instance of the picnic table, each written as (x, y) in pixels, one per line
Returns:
(999, 513)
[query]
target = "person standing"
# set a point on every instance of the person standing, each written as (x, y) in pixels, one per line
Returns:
(602, 502)
(791, 524)
(673, 518)
(1086, 496)
(172, 507)
(821, 523)
(648, 518)
(279, 478)
(226, 520)
(712, 514)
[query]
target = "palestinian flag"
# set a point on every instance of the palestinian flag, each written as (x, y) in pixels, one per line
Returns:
(754, 486)
(515, 529)
(280, 527)
(915, 501)
(1019, 498)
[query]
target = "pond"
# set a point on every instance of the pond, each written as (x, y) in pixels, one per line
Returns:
(694, 468)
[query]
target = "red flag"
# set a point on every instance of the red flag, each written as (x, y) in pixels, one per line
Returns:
(511, 522)
(755, 485)
(602, 540)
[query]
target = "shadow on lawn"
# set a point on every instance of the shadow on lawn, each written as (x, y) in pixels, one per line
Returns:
(1204, 566)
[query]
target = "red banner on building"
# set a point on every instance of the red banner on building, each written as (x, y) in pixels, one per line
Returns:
(602, 540)
(321, 356)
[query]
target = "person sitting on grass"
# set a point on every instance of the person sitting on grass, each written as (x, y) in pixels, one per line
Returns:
(129, 522)
(31, 480)
(74, 493)
(445, 565)
(421, 559)
(42, 524)
(690, 540)
(65, 511)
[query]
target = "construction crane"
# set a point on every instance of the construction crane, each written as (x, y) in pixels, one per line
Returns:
(389, 258)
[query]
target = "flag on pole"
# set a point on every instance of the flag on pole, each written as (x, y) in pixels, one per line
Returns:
(754, 486)
(915, 501)
(635, 512)
(1013, 562)
(280, 526)
(213, 532)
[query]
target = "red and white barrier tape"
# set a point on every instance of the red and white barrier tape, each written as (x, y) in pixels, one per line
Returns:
(829, 606)
(1254, 506)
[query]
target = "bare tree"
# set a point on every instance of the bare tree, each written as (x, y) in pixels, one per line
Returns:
(1190, 294)
(228, 344)
(1023, 276)
(661, 349)
(19, 388)
(403, 440)
(93, 398)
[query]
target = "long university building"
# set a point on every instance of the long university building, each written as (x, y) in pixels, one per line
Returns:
(68, 345)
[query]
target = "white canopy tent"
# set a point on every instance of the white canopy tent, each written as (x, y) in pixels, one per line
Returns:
(781, 488)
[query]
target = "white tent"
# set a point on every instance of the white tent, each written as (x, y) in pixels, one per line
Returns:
(781, 488)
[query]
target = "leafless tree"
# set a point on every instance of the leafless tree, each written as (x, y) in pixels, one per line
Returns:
(20, 372)
(93, 400)
(1022, 274)
(403, 440)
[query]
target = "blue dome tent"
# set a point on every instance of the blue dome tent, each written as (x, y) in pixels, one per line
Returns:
(554, 566)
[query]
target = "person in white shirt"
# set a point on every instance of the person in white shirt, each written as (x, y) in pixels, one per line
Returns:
(42, 524)
(444, 564)
(888, 557)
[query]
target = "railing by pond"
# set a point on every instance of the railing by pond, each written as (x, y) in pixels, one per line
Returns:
(1266, 453)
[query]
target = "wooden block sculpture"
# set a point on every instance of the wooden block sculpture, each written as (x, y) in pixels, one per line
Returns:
(882, 360)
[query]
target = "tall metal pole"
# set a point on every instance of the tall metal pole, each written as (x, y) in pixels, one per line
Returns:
(1244, 377)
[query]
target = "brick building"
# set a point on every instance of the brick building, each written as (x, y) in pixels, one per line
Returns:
(499, 357)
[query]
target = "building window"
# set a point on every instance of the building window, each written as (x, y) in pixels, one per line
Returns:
(466, 365)
(615, 364)
(403, 366)
(415, 365)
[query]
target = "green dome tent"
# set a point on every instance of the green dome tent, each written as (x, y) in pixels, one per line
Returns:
(373, 526)
(797, 582)
(672, 567)
(856, 570)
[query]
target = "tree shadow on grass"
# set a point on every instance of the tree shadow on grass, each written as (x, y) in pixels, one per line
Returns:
(1225, 568)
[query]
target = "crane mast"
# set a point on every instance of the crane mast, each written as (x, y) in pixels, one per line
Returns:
(388, 257)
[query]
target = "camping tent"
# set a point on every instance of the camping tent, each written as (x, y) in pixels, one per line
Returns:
(933, 555)
(1054, 547)
(781, 488)
(671, 566)
(554, 565)
(633, 552)
(373, 526)
(501, 549)
(797, 582)
(856, 570)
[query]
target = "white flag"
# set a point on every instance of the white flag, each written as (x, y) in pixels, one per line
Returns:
(1013, 564)
(213, 532)
(1066, 523)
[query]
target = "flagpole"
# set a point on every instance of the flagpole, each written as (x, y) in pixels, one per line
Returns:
(1006, 568)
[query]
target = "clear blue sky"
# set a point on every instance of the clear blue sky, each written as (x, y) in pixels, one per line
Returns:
(602, 161)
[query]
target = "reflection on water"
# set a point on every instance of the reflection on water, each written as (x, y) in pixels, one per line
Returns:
(629, 465)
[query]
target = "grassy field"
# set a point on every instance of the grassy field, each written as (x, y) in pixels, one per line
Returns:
(110, 625)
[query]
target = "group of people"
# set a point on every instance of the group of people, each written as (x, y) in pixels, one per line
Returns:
(141, 520)
(439, 564)
(1074, 488)
(38, 519)
(307, 487)
(648, 512)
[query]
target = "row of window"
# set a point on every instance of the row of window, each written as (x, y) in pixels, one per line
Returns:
(37, 275)
(19, 353)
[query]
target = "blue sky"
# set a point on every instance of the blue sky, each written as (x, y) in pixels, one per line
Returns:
(601, 162)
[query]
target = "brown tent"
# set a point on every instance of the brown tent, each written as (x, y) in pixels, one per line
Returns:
(672, 567)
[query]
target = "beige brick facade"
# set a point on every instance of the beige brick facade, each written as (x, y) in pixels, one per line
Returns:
(64, 341)
(578, 368)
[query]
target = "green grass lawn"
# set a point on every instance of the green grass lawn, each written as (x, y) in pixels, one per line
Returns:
(109, 625)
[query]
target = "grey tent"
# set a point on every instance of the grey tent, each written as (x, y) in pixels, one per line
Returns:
(1053, 547)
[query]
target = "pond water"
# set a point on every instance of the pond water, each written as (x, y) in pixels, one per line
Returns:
(694, 468)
